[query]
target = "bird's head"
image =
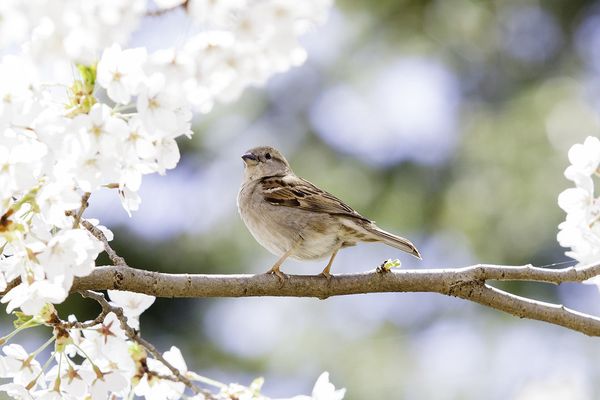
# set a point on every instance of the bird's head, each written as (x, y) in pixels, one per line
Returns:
(263, 161)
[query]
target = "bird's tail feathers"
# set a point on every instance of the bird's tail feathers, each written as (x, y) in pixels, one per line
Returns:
(394, 241)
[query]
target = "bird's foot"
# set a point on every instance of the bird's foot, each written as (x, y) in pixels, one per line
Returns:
(327, 276)
(280, 275)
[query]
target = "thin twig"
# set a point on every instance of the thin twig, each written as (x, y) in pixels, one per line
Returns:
(135, 336)
(159, 12)
(98, 234)
(11, 285)
(83, 325)
(156, 354)
(77, 214)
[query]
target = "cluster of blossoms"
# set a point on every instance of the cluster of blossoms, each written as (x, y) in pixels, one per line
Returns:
(237, 43)
(581, 229)
(109, 363)
(114, 363)
(57, 143)
(64, 138)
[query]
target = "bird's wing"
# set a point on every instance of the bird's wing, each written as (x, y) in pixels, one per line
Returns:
(291, 191)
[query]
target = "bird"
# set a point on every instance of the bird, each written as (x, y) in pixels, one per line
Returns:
(293, 218)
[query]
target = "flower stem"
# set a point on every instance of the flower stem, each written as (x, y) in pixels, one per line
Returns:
(29, 324)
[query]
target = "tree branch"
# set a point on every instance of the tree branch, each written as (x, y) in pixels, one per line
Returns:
(77, 214)
(467, 283)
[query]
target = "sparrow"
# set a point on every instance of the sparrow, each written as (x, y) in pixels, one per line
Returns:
(292, 218)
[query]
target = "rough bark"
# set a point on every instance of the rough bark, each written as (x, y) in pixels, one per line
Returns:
(468, 283)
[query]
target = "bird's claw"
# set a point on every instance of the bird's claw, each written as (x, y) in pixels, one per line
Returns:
(327, 276)
(280, 275)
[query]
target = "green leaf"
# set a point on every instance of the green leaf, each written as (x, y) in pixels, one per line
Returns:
(22, 319)
(389, 264)
(88, 74)
(137, 352)
(81, 93)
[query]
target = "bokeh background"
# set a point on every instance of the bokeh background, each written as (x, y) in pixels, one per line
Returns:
(445, 121)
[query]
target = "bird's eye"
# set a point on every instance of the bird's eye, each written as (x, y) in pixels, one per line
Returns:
(268, 156)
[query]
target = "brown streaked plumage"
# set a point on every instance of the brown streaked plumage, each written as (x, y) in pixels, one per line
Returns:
(291, 217)
(292, 191)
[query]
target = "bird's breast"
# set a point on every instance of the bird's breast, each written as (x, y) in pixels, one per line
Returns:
(279, 228)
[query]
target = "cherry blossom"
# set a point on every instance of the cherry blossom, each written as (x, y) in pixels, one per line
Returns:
(19, 365)
(32, 297)
(70, 252)
(154, 388)
(580, 231)
(107, 341)
(103, 116)
(585, 157)
(16, 391)
(323, 390)
(56, 197)
(133, 304)
(120, 72)
(101, 383)
(71, 382)
(20, 162)
(156, 105)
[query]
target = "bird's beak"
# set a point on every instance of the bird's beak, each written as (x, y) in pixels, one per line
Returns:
(250, 159)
